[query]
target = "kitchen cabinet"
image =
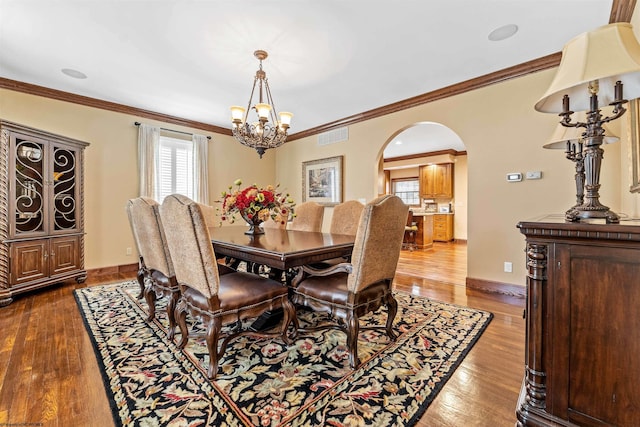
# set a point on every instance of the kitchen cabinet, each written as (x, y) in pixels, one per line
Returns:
(436, 181)
(443, 227)
(424, 235)
(581, 350)
(41, 209)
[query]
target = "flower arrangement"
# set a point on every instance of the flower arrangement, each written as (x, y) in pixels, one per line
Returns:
(255, 204)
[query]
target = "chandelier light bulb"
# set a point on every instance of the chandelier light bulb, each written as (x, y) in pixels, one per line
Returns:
(263, 111)
(285, 119)
(237, 114)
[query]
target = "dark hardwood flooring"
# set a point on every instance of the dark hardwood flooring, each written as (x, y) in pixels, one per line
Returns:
(49, 375)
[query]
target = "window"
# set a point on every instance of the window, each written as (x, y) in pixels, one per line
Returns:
(407, 189)
(175, 168)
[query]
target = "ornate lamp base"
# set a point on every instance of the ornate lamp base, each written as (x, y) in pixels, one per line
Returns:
(577, 213)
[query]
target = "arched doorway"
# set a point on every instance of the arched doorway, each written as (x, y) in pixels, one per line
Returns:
(412, 152)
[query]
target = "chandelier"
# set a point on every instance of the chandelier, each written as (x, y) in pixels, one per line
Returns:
(266, 132)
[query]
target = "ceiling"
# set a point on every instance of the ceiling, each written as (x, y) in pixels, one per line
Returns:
(328, 59)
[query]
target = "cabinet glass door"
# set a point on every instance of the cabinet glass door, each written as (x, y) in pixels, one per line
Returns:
(65, 209)
(29, 186)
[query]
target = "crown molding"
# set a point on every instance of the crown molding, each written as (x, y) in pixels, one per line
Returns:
(622, 11)
(59, 95)
(516, 71)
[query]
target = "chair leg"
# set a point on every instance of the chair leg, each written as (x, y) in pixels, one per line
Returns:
(289, 311)
(213, 334)
(140, 277)
(171, 314)
(392, 310)
(150, 297)
(181, 319)
(352, 339)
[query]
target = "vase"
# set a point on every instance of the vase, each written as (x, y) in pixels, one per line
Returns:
(254, 225)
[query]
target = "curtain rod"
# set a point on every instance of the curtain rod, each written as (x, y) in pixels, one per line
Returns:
(171, 130)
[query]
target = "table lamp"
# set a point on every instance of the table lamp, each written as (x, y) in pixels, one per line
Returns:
(571, 140)
(593, 69)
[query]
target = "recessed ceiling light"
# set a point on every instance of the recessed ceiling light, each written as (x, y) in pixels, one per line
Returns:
(503, 32)
(74, 73)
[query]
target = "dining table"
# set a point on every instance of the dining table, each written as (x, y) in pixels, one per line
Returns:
(280, 249)
(277, 248)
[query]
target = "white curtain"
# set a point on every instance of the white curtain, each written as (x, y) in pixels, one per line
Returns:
(148, 143)
(200, 169)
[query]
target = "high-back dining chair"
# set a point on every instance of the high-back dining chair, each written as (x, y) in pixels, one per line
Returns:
(214, 298)
(346, 217)
(270, 223)
(348, 291)
(308, 217)
(156, 267)
(210, 216)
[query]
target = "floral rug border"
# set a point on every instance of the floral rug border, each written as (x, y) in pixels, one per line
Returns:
(224, 407)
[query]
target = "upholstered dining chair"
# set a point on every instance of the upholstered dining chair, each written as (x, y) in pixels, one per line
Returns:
(346, 217)
(308, 217)
(348, 291)
(210, 215)
(345, 220)
(216, 299)
(270, 223)
(156, 269)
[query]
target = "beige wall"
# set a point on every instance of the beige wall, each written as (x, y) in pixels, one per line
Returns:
(111, 166)
(502, 133)
(460, 198)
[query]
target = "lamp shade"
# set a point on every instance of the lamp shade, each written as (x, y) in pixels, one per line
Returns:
(607, 54)
(237, 114)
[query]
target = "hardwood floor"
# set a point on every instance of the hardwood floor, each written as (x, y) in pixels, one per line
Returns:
(49, 375)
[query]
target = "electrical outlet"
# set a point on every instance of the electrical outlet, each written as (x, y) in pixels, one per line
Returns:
(508, 267)
(128, 251)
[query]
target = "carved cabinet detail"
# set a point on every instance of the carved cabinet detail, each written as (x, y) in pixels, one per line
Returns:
(581, 354)
(41, 209)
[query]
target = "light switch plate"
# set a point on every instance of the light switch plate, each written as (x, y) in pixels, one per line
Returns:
(534, 175)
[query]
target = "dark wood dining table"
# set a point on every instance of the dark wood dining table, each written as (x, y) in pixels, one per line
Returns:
(277, 248)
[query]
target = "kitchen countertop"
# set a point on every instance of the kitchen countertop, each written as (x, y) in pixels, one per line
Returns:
(431, 213)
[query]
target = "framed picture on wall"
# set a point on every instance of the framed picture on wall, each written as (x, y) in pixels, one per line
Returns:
(322, 181)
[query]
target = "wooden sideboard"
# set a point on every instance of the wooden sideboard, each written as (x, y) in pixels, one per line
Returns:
(582, 363)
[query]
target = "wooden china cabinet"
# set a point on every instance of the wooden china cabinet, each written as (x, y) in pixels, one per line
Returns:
(582, 363)
(41, 209)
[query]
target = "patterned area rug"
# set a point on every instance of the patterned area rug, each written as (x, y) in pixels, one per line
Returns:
(265, 383)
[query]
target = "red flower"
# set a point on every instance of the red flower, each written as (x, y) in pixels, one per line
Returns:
(251, 201)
